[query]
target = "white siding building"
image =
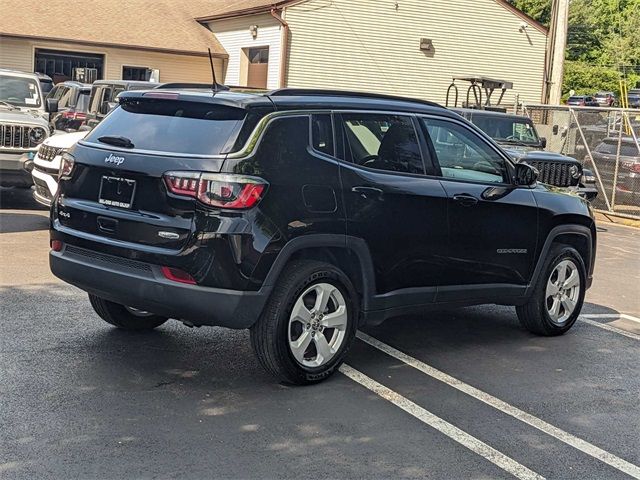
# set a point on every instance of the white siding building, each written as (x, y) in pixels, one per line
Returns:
(375, 45)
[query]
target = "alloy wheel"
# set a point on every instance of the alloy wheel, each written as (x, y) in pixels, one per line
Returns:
(317, 325)
(563, 291)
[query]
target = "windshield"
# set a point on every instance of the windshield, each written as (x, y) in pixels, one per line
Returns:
(172, 126)
(19, 91)
(507, 129)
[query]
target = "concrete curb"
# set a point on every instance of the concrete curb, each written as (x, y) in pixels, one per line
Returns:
(611, 218)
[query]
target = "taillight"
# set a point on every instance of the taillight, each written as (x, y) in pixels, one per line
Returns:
(217, 190)
(66, 166)
(56, 245)
(71, 115)
(635, 167)
(182, 183)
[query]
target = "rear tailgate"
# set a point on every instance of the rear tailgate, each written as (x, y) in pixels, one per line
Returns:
(119, 193)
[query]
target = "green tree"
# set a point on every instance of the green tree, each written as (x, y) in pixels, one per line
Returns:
(603, 42)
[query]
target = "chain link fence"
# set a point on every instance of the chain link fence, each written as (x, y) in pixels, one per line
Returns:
(605, 141)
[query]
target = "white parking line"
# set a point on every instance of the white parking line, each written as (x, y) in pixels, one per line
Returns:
(569, 439)
(610, 328)
(477, 446)
(611, 315)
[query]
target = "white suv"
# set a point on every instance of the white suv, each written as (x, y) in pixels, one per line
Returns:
(47, 164)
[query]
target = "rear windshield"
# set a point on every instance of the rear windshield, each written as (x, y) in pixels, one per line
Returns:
(82, 104)
(576, 99)
(172, 126)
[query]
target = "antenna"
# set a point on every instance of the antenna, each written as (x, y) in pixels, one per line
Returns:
(214, 86)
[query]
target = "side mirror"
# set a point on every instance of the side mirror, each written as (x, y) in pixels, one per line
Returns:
(526, 175)
(51, 105)
(543, 142)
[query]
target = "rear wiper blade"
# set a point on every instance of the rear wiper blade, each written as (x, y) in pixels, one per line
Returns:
(117, 141)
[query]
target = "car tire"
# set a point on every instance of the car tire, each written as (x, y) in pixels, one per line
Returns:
(558, 294)
(293, 339)
(125, 318)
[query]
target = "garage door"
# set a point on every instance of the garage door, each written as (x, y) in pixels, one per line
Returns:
(60, 64)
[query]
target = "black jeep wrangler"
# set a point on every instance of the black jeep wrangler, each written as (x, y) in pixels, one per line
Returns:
(305, 215)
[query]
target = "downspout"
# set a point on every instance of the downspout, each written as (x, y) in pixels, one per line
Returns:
(284, 46)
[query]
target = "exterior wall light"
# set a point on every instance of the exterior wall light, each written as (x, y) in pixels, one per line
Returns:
(253, 29)
(426, 44)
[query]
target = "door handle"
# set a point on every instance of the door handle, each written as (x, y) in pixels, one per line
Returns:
(465, 199)
(368, 192)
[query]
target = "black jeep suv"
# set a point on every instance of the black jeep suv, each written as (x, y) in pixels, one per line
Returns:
(304, 215)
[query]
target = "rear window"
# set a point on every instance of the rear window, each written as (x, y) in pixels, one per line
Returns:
(82, 104)
(172, 126)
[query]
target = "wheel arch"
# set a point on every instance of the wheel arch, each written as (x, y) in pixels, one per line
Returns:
(350, 254)
(580, 237)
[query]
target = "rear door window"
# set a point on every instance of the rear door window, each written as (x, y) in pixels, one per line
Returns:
(172, 127)
(383, 142)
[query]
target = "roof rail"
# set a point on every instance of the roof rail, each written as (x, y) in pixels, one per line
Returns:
(179, 85)
(290, 92)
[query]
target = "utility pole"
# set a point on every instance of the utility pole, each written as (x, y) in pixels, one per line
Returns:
(556, 47)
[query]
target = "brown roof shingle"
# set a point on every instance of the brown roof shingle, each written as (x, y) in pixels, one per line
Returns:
(167, 25)
(230, 8)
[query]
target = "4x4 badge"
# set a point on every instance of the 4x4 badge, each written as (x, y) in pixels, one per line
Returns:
(114, 159)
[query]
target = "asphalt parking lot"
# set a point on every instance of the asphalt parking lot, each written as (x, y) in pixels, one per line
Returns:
(459, 394)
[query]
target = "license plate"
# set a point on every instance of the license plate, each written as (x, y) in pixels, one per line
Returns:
(117, 192)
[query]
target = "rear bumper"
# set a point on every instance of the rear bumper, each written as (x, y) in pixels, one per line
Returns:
(142, 285)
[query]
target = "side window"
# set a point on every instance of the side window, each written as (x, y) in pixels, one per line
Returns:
(322, 134)
(116, 91)
(96, 99)
(463, 155)
(55, 92)
(383, 141)
(65, 97)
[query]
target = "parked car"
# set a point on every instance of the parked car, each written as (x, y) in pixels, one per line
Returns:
(518, 136)
(46, 165)
(628, 183)
(582, 101)
(23, 125)
(104, 94)
(633, 97)
(605, 99)
(306, 214)
(73, 102)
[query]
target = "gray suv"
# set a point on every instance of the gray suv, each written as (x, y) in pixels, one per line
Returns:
(23, 125)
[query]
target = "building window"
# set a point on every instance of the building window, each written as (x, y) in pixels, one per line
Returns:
(259, 55)
(136, 73)
(62, 65)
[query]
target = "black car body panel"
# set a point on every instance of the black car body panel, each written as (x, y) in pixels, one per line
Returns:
(408, 241)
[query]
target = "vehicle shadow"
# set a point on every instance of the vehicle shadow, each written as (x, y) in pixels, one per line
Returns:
(464, 328)
(19, 198)
(11, 222)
